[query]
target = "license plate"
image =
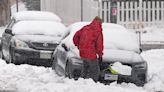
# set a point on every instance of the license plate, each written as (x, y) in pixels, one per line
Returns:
(111, 77)
(45, 55)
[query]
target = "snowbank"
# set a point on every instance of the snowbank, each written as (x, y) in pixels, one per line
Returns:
(155, 61)
(153, 34)
(27, 78)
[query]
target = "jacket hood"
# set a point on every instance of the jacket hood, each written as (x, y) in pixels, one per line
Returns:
(95, 24)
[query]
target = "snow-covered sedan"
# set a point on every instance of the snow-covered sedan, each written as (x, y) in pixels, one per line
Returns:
(121, 60)
(32, 39)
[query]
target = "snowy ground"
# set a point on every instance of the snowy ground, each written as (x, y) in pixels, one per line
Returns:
(27, 78)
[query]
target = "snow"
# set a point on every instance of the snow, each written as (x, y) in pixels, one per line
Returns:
(121, 69)
(121, 56)
(153, 35)
(115, 37)
(27, 78)
(155, 69)
(39, 28)
(36, 15)
(1, 30)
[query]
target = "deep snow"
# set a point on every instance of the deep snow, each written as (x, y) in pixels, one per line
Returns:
(27, 78)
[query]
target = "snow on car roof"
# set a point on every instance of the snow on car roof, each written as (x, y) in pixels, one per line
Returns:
(39, 28)
(115, 36)
(36, 15)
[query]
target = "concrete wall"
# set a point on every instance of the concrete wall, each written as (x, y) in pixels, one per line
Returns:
(71, 11)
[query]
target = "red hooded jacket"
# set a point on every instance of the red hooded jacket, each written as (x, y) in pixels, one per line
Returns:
(89, 40)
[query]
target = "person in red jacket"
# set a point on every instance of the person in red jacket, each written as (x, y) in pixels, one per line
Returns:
(89, 41)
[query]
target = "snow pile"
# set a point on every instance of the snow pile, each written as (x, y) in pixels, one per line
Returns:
(36, 15)
(121, 69)
(27, 78)
(155, 69)
(39, 28)
(153, 34)
(115, 36)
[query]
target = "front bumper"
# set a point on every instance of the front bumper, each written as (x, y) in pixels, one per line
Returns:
(32, 56)
(137, 77)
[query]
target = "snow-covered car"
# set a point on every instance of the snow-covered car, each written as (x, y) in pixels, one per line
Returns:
(35, 15)
(32, 39)
(121, 48)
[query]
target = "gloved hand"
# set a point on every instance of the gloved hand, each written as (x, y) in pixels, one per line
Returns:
(100, 60)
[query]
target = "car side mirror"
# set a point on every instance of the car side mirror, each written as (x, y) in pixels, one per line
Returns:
(64, 46)
(8, 31)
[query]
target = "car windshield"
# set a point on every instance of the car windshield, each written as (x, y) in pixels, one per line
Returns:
(39, 28)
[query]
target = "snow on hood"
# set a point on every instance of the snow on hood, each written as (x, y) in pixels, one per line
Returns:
(115, 37)
(112, 55)
(36, 15)
(39, 28)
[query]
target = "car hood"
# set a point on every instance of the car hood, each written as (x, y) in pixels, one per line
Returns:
(38, 38)
(112, 55)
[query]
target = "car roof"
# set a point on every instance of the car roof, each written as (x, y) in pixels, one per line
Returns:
(36, 15)
(39, 27)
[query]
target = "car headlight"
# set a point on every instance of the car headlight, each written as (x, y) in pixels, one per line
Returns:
(141, 65)
(20, 44)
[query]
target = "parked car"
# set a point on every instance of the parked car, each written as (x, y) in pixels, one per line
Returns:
(120, 45)
(31, 40)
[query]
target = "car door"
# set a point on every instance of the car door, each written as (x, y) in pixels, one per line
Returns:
(6, 37)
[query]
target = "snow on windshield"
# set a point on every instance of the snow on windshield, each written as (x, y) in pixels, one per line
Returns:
(115, 37)
(39, 28)
(36, 15)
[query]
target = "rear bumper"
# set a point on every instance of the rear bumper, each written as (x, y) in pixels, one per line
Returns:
(38, 57)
